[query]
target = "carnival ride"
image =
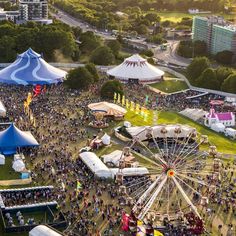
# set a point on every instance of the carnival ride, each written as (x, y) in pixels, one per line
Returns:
(183, 179)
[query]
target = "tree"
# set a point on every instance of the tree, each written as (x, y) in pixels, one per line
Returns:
(208, 79)
(7, 46)
(152, 17)
(110, 87)
(79, 78)
(93, 71)
(200, 48)
(223, 73)
(229, 84)
(196, 67)
(142, 29)
(102, 56)
(147, 52)
(89, 41)
(224, 57)
(115, 46)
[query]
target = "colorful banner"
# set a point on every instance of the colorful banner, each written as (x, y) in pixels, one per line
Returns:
(118, 98)
(157, 233)
(141, 230)
(123, 100)
(132, 106)
(79, 185)
(115, 97)
(137, 108)
(37, 90)
(125, 222)
(146, 100)
(127, 103)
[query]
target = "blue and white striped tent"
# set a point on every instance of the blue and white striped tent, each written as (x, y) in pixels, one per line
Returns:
(30, 69)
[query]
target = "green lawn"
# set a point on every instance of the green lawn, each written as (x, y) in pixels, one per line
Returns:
(177, 16)
(170, 86)
(6, 171)
(222, 143)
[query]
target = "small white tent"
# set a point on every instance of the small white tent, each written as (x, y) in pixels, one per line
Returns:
(218, 127)
(2, 159)
(18, 165)
(106, 139)
(43, 230)
(92, 161)
(2, 110)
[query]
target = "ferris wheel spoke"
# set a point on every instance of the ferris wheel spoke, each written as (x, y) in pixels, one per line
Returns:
(192, 179)
(138, 192)
(152, 199)
(147, 192)
(186, 197)
(189, 186)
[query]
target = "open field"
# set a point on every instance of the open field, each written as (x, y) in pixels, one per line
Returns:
(170, 86)
(222, 143)
(177, 16)
(6, 171)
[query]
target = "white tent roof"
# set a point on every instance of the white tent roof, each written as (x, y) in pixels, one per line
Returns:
(194, 114)
(106, 139)
(136, 67)
(113, 157)
(2, 109)
(18, 165)
(109, 108)
(92, 161)
(141, 131)
(219, 127)
(131, 171)
(42, 230)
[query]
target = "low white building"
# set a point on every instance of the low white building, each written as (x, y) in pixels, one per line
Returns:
(225, 118)
(230, 132)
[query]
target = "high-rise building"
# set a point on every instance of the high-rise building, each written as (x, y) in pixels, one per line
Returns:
(218, 34)
(33, 9)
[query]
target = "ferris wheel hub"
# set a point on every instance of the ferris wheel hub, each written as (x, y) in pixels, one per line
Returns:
(170, 173)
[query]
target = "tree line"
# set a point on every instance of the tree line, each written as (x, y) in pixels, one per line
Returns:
(200, 74)
(45, 39)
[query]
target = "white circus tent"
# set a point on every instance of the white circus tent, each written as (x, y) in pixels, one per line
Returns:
(136, 68)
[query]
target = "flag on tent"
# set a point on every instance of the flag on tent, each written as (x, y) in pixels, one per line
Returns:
(157, 233)
(146, 100)
(37, 90)
(141, 230)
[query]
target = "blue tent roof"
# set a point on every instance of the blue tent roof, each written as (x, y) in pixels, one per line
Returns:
(12, 138)
(31, 68)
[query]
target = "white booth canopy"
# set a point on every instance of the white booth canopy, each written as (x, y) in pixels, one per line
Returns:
(43, 230)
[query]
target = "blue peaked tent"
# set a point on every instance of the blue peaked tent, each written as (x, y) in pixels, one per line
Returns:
(31, 68)
(13, 138)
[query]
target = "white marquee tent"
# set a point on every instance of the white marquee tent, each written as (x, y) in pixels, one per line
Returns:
(193, 114)
(2, 110)
(137, 171)
(115, 157)
(110, 109)
(218, 127)
(136, 68)
(92, 161)
(161, 131)
(43, 230)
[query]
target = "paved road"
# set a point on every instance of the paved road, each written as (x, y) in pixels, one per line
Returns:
(168, 56)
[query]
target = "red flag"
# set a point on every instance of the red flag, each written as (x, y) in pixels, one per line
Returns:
(37, 90)
(125, 222)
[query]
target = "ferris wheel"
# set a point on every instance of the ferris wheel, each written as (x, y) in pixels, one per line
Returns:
(182, 177)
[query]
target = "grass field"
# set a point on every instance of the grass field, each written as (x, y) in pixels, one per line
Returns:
(177, 16)
(6, 171)
(170, 86)
(222, 143)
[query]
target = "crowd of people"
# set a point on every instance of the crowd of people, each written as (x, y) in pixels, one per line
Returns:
(61, 119)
